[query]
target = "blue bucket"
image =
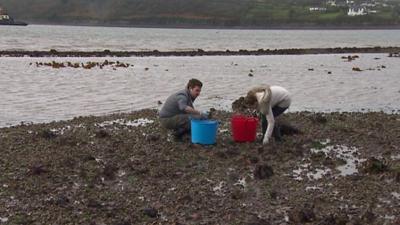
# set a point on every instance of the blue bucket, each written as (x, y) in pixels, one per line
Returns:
(204, 131)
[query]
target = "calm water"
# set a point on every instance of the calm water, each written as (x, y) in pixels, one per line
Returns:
(41, 37)
(44, 94)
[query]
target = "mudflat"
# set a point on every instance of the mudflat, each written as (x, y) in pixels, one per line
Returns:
(342, 168)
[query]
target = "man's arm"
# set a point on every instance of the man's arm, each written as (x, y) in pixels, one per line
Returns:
(270, 128)
(191, 110)
(188, 109)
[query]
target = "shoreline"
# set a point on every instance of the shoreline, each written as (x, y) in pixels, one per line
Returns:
(393, 112)
(200, 52)
(110, 169)
(216, 27)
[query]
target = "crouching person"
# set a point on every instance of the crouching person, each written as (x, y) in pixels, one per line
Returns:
(178, 109)
(270, 101)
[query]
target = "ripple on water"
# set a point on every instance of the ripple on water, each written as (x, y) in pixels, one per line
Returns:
(46, 94)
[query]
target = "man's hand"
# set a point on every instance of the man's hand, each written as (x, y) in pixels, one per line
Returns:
(204, 115)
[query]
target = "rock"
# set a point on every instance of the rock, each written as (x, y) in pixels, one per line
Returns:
(288, 129)
(257, 221)
(319, 118)
(368, 216)
(92, 203)
(263, 171)
(221, 154)
(254, 159)
(159, 102)
(150, 212)
(37, 169)
(374, 165)
(109, 171)
(47, 134)
(102, 134)
(87, 158)
(332, 219)
(273, 194)
(357, 69)
(125, 222)
(153, 137)
(61, 200)
(251, 75)
(302, 215)
(237, 194)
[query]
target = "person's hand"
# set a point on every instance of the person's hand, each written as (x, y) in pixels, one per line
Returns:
(204, 115)
(265, 140)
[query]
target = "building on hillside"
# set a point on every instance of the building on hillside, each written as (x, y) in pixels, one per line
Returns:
(331, 3)
(356, 11)
(317, 9)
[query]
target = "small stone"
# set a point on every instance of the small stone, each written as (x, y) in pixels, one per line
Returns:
(102, 134)
(150, 212)
(263, 171)
(47, 134)
(237, 194)
(303, 215)
(273, 194)
(254, 159)
(153, 137)
(38, 169)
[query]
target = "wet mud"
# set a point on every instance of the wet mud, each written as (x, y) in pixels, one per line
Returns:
(126, 169)
(392, 52)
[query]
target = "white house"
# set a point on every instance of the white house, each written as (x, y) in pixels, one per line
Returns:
(331, 3)
(317, 9)
(353, 11)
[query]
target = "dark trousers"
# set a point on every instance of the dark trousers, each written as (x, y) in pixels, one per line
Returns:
(276, 111)
(180, 124)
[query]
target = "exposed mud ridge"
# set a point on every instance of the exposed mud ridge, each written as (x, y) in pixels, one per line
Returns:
(125, 169)
(393, 51)
(87, 65)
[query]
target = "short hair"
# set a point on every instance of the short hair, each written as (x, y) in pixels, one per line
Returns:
(193, 83)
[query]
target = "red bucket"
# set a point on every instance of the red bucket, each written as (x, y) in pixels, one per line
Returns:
(244, 128)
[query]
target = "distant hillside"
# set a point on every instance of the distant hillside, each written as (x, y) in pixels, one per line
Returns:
(260, 13)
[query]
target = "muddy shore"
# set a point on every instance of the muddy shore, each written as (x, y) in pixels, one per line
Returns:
(125, 169)
(199, 52)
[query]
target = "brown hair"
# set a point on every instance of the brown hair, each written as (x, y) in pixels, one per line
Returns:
(251, 99)
(193, 83)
